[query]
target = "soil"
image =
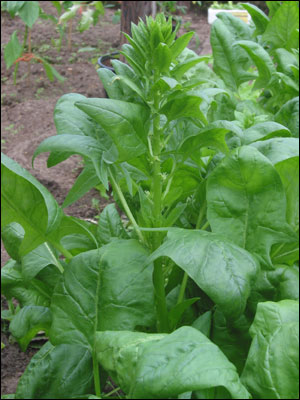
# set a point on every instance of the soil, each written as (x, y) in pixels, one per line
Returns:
(27, 119)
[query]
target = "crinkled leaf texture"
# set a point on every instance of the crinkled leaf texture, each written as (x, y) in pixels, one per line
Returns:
(57, 372)
(272, 366)
(246, 200)
(221, 269)
(103, 289)
(163, 366)
(27, 202)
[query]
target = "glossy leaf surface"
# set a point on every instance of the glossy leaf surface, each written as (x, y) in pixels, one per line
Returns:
(222, 270)
(186, 359)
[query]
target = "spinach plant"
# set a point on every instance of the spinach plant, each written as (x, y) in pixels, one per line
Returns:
(196, 296)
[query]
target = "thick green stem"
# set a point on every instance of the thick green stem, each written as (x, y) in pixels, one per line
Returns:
(206, 225)
(60, 248)
(96, 376)
(201, 215)
(158, 278)
(182, 288)
(127, 210)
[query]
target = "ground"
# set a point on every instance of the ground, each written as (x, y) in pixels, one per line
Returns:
(27, 119)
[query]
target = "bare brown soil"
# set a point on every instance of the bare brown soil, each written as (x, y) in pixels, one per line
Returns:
(27, 119)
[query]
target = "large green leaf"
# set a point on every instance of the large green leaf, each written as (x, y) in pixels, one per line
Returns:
(261, 59)
(101, 290)
(282, 29)
(246, 200)
(228, 60)
(278, 149)
(123, 121)
(86, 146)
(272, 367)
(289, 174)
(27, 202)
(212, 135)
(162, 366)
(221, 269)
(264, 131)
(61, 372)
(259, 18)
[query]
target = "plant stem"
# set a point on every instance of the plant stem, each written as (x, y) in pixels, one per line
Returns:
(29, 51)
(119, 192)
(182, 288)
(201, 215)
(96, 375)
(205, 226)
(70, 35)
(60, 248)
(11, 306)
(158, 278)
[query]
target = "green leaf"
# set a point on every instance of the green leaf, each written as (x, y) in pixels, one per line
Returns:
(29, 13)
(289, 283)
(69, 14)
(181, 68)
(123, 121)
(278, 149)
(13, 6)
(229, 60)
(289, 174)
(260, 19)
(12, 236)
(261, 59)
(263, 131)
(51, 71)
(38, 259)
(246, 199)
(28, 322)
(221, 269)
(184, 106)
(273, 7)
(162, 58)
(142, 363)
(30, 293)
(87, 180)
(232, 338)
(99, 292)
(76, 144)
(86, 20)
(180, 44)
(27, 202)
(237, 27)
(272, 367)
(177, 311)
(60, 372)
(13, 50)
(288, 116)
(110, 225)
(213, 135)
(111, 84)
(282, 29)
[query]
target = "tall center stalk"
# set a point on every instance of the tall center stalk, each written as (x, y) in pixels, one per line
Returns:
(158, 278)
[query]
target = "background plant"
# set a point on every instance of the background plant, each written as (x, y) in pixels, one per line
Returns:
(202, 284)
(14, 52)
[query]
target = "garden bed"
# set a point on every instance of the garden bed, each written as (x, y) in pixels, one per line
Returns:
(27, 119)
